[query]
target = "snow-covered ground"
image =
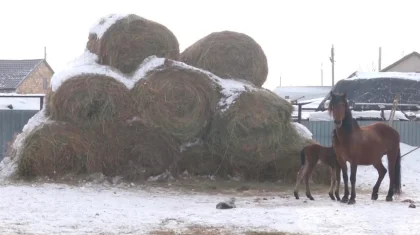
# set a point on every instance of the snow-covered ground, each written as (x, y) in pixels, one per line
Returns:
(103, 208)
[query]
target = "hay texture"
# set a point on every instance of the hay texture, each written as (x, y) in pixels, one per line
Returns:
(257, 137)
(136, 151)
(179, 100)
(229, 54)
(54, 149)
(88, 99)
(197, 159)
(131, 39)
(132, 150)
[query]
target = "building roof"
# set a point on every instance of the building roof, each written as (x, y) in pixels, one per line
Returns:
(308, 92)
(13, 72)
(414, 53)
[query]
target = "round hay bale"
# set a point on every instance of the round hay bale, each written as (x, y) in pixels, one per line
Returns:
(198, 160)
(88, 99)
(135, 150)
(255, 134)
(229, 55)
(54, 149)
(130, 40)
(179, 100)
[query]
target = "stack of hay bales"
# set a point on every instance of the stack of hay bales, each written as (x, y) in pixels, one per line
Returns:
(132, 105)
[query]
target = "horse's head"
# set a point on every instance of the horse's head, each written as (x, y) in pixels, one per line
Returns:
(337, 106)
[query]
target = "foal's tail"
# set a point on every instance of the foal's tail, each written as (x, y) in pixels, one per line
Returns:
(302, 157)
(397, 183)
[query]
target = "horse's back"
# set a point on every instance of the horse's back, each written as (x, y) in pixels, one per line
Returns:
(384, 134)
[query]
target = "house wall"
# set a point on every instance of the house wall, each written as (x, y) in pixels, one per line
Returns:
(34, 83)
(411, 64)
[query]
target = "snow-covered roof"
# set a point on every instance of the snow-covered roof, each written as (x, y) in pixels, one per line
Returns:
(309, 92)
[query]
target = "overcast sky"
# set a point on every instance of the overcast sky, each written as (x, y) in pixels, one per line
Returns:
(295, 35)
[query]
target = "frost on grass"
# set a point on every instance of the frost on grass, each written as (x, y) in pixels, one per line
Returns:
(190, 144)
(302, 130)
(8, 166)
(103, 24)
(87, 64)
(230, 89)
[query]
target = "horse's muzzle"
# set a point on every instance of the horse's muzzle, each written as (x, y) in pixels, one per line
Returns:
(338, 123)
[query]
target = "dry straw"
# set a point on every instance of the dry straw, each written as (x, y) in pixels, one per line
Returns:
(256, 135)
(179, 100)
(229, 55)
(89, 99)
(131, 40)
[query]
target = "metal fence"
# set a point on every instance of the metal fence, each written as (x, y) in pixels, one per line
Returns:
(11, 122)
(321, 130)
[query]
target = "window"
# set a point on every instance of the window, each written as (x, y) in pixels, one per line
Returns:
(45, 83)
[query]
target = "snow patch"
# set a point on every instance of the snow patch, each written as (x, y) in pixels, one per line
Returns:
(149, 64)
(231, 89)
(373, 75)
(103, 24)
(302, 130)
(325, 116)
(190, 144)
(87, 64)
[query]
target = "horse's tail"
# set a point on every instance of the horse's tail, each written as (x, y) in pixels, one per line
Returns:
(302, 157)
(397, 183)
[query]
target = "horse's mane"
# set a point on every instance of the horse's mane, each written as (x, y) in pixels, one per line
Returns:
(348, 122)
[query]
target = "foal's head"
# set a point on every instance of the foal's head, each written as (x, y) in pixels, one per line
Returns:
(338, 107)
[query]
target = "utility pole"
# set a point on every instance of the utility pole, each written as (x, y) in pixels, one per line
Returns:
(45, 53)
(380, 60)
(280, 80)
(332, 64)
(322, 75)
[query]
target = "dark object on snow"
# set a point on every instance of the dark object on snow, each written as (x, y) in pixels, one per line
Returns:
(10, 106)
(408, 200)
(412, 205)
(226, 205)
(377, 90)
(243, 188)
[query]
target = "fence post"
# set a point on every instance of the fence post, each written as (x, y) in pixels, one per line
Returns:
(299, 113)
(41, 100)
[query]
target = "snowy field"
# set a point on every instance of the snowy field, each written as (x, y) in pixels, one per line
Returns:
(105, 208)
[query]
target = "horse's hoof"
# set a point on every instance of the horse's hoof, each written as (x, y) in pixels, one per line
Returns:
(310, 197)
(388, 199)
(374, 196)
(351, 202)
(337, 196)
(296, 195)
(344, 200)
(331, 196)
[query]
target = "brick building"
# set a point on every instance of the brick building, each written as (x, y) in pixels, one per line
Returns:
(25, 76)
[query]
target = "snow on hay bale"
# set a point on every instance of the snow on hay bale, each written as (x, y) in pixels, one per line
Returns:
(87, 99)
(124, 41)
(257, 137)
(178, 99)
(229, 54)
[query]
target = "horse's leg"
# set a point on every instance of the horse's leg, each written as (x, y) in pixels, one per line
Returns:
(307, 175)
(382, 172)
(330, 193)
(343, 166)
(391, 172)
(337, 182)
(300, 175)
(353, 171)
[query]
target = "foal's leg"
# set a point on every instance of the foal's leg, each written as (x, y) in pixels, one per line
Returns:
(353, 171)
(382, 172)
(333, 180)
(300, 175)
(307, 175)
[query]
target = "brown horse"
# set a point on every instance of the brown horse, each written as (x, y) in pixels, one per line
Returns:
(364, 145)
(309, 157)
